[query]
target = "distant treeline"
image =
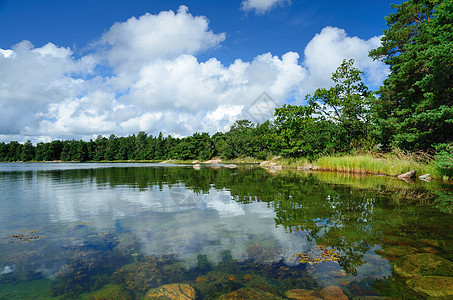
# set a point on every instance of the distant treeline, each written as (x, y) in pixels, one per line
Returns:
(244, 139)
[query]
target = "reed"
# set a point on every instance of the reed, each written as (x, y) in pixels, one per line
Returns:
(388, 164)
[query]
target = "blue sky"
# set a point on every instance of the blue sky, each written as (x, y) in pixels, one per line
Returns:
(76, 69)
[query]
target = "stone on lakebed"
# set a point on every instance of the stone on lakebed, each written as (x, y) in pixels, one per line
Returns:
(432, 286)
(423, 264)
(172, 292)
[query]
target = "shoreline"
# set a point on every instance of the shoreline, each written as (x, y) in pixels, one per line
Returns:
(346, 164)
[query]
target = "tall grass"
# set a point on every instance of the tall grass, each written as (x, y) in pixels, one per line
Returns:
(292, 162)
(389, 164)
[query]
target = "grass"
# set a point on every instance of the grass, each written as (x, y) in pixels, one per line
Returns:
(389, 164)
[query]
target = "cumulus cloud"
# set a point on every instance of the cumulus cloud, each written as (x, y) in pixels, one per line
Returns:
(157, 84)
(261, 6)
(325, 52)
(166, 35)
(32, 79)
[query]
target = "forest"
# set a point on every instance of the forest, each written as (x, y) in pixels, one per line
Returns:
(412, 111)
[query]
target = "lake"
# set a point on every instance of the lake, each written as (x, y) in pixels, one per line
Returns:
(124, 231)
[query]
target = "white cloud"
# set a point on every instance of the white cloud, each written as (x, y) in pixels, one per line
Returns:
(157, 83)
(164, 36)
(32, 79)
(325, 52)
(261, 6)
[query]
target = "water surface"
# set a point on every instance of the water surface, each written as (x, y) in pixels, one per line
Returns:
(74, 231)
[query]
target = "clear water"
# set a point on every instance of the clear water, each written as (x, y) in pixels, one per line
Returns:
(100, 231)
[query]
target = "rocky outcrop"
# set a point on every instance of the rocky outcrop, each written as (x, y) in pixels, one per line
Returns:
(172, 292)
(407, 175)
(432, 286)
(423, 264)
(212, 161)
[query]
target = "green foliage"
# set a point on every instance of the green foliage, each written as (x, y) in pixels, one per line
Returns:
(334, 120)
(245, 139)
(415, 109)
(346, 104)
(28, 151)
(444, 159)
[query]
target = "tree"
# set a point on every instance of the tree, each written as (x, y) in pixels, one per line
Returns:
(334, 120)
(415, 106)
(347, 104)
(28, 151)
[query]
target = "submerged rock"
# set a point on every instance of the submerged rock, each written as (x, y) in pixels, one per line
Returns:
(172, 292)
(432, 286)
(301, 294)
(397, 251)
(246, 293)
(333, 293)
(423, 264)
(110, 292)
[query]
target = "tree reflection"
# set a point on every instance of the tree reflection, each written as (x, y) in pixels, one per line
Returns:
(345, 213)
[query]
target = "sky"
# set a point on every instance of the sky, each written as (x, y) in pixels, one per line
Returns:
(78, 69)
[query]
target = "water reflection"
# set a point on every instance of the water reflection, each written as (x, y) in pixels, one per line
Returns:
(143, 227)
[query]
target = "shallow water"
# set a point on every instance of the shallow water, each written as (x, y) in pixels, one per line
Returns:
(95, 231)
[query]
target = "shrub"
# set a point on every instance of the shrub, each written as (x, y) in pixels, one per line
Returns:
(444, 159)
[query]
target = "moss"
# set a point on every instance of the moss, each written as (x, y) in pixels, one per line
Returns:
(433, 286)
(108, 292)
(423, 264)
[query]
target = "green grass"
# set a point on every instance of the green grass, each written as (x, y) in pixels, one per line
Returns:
(391, 164)
(292, 162)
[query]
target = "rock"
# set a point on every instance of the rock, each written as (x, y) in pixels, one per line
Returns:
(274, 166)
(424, 177)
(196, 162)
(212, 161)
(396, 251)
(333, 293)
(231, 166)
(264, 163)
(246, 293)
(166, 161)
(216, 284)
(174, 291)
(423, 264)
(300, 294)
(110, 292)
(410, 174)
(432, 286)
